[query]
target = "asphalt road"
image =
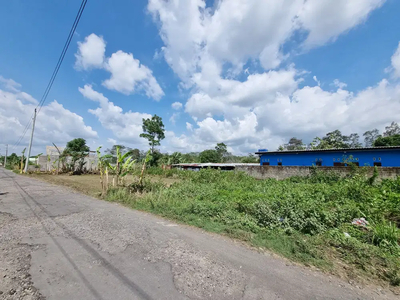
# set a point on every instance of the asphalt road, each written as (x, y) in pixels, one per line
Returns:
(58, 244)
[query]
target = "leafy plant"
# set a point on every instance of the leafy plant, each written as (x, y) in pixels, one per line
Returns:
(385, 234)
(303, 218)
(78, 150)
(153, 131)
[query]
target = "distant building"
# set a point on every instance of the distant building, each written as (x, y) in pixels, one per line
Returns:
(377, 156)
(220, 166)
(51, 150)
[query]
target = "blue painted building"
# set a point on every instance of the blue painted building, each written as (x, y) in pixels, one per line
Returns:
(377, 156)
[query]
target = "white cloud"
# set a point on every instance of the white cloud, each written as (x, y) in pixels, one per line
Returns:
(128, 74)
(10, 84)
(90, 53)
(189, 126)
(174, 117)
(326, 20)
(209, 47)
(316, 80)
(88, 92)
(176, 105)
(126, 126)
(15, 87)
(396, 62)
(229, 97)
(237, 31)
(339, 84)
(54, 123)
(111, 141)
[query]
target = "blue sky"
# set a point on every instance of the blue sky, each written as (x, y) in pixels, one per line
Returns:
(242, 70)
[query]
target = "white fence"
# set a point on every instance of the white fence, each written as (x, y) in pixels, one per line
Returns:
(52, 163)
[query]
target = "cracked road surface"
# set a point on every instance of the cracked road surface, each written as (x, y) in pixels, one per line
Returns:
(58, 244)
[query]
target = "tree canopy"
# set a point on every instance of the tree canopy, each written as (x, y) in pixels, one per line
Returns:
(76, 146)
(77, 149)
(393, 140)
(209, 156)
(370, 136)
(293, 144)
(392, 129)
(153, 131)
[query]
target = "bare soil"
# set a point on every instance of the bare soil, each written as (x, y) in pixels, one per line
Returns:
(90, 184)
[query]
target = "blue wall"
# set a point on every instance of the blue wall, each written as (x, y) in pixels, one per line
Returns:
(388, 157)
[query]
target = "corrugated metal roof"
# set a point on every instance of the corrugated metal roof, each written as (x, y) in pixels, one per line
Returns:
(213, 164)
(330, 150)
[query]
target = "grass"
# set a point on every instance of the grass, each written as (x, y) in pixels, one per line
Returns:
(305, 219)
(89, 184)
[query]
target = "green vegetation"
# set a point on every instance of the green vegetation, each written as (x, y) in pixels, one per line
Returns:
(153, 131)
(393, 140)
(78, 150)
(307, 219)
(335, 140)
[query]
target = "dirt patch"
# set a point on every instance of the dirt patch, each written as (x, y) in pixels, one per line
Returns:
(90, 184)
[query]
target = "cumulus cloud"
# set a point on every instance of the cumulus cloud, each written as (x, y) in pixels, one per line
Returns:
(396, 62)
(339, 84)
(111, 141)
(326, 20)
(10, 85)
(128, 75)
(214, 49)
(126, 126)
(236, 31)
(176, 105)
(91, 53)
(174, 117)
(189, 126)
(54, 123)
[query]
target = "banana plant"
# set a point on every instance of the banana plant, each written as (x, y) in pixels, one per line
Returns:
(122, 167)
(103, 164)
(22, 160)
(145, 161)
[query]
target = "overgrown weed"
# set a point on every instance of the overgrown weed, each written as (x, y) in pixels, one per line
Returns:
(307, 219)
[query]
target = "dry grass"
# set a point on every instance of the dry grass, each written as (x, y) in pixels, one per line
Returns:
(90, 184)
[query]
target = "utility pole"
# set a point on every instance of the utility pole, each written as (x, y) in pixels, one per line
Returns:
(5, 157)
(30, 143)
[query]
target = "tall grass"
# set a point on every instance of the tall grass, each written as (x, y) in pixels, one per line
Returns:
(302, 218)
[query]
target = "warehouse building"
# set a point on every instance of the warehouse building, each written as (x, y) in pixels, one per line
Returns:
(376, 156)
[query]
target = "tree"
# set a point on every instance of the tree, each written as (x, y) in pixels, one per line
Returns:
(293, 144)
(153, 131)
(209, 156)
(335, 139)
(13, 161)
(222, 152)
(370, 137)
(393, 140)
(354, 141)
(192, 157)
(175, 158)
(78, 150)
(392, 129)
(251, 158)
(332, 140)
(113, 152)
(136, 155)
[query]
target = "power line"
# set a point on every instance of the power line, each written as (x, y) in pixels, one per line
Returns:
(56, 69)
